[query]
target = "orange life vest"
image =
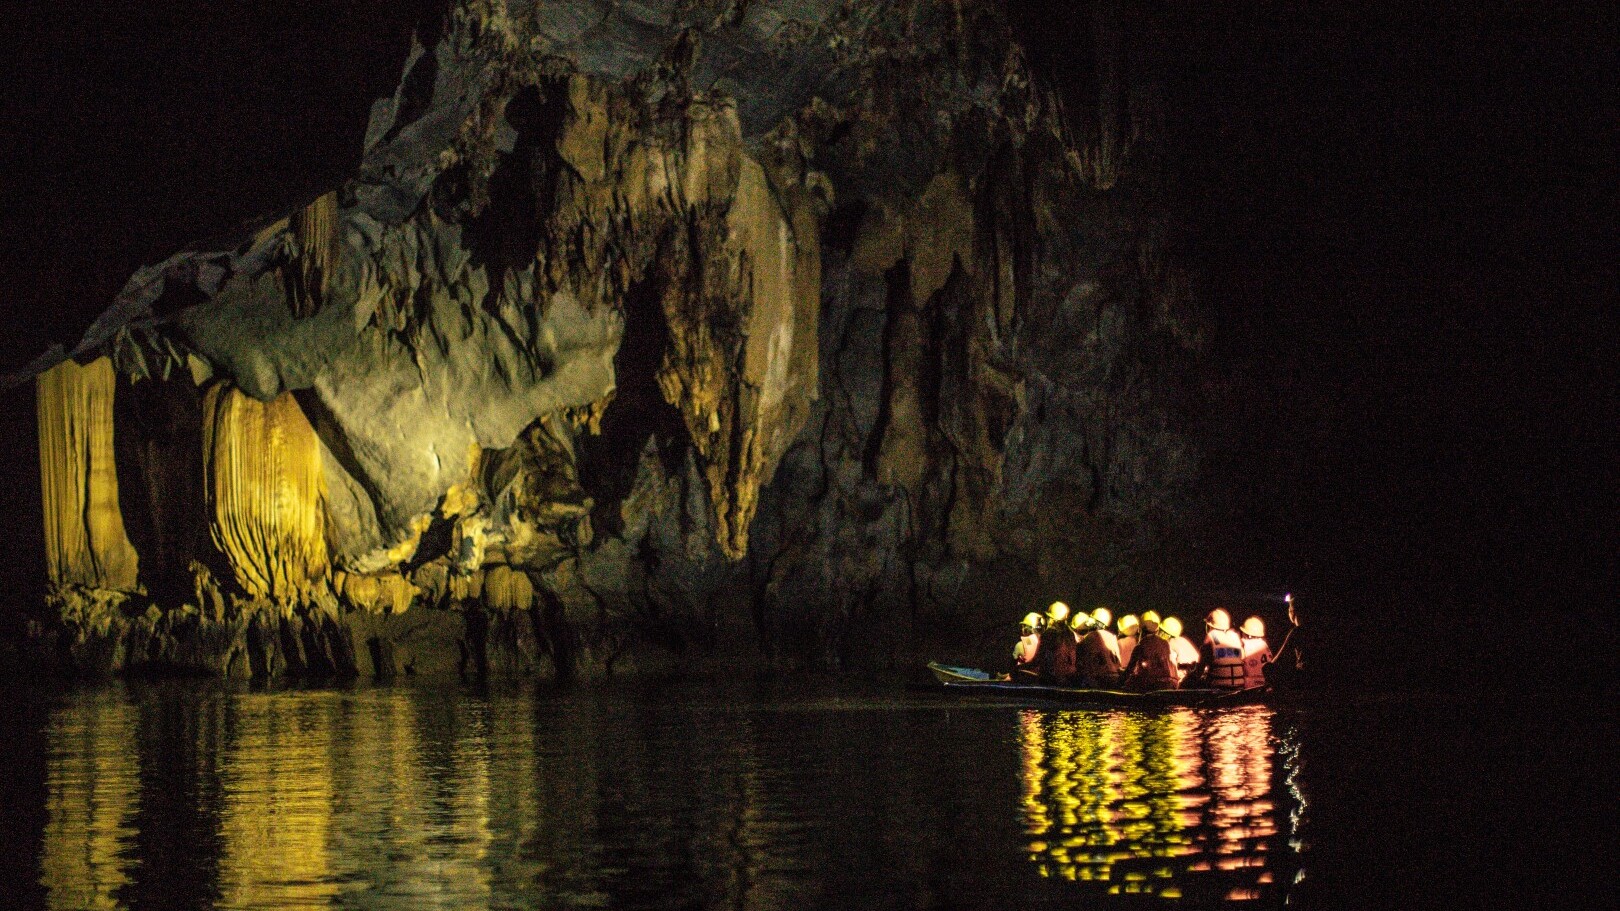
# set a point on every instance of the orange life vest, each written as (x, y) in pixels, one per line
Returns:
(1256, 655)
(1226, 669)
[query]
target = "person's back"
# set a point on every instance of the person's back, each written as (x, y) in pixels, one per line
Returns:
(1097, 663)
(1183, 654)
(1151, 667)
(1127, 644)
(1056, 654)
(1129, 635)
(1256, 653)
(1223, 665)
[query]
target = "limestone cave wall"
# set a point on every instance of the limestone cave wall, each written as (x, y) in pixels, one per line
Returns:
(827, 332)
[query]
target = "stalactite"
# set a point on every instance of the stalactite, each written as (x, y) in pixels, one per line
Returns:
(265, 491)
(742, 366)
(508, 589)
(388, 593)
(315, 235)
(85, 543)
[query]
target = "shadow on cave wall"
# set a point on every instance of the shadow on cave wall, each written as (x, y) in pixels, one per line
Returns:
(638, 413)
(157, 439)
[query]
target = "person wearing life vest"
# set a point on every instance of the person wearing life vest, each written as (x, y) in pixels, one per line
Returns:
(1151, 667)
(1029, 643)
(1182, 652)
(1102, 620)
(1256, 653)
(1055, 653)
(1097, 658)
(1222, 664)
(1129, 631)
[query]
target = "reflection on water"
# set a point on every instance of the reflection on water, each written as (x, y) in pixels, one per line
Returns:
(201, 796)
(92, 790)
(1174, 805)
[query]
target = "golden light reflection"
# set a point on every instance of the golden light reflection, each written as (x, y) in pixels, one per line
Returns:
(92, 786)
(1175, 805)
(326, 799)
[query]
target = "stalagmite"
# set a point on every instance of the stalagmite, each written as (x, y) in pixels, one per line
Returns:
(85, 543)
(265, 492)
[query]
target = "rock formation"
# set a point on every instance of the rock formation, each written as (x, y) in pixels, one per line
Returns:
(810, 328)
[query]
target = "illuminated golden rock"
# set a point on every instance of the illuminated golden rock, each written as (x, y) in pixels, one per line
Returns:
(265, 492)
(315, 238)
(85, 543)
(508, 589)
(387, 593)
(742, 364)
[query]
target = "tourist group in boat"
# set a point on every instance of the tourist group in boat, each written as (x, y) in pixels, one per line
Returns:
(1148, 653)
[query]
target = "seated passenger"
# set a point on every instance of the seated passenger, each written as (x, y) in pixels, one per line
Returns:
(1029, 643)
(1151, 667)
(1129, 631)
(1182, 651)
(1097, 662)
(1222, 665)
(1055, 651)
(1102, 619)
(1256, 653)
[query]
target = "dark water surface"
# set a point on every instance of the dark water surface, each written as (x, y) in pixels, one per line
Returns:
(828, 795)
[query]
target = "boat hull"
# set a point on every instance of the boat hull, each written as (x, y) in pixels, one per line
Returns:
(966, 681)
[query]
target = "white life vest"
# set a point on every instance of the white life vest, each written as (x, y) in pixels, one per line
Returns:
(1185, 656)
(1226, 669)
(1112, 641)
(1024, 651)
(1256, 655)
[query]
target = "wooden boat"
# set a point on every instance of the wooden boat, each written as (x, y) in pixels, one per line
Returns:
(967, 681)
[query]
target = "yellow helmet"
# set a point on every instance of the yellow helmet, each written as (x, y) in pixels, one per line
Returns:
(1058, 611)
(1254, 628)
(1171, 627)
(1102, 616)
(1219, 619)
(1032, 620)
(1150, 619)
(1127, 624)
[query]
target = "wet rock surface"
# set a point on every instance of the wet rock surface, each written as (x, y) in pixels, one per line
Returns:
(653, 332)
